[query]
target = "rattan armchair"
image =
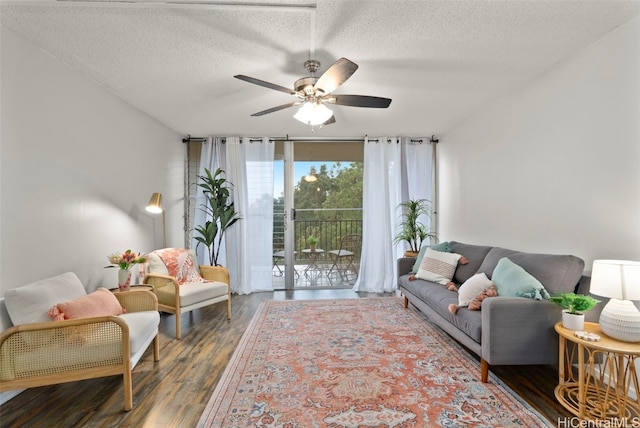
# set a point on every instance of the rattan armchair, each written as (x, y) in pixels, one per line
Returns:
(175, 297)
(47, 353)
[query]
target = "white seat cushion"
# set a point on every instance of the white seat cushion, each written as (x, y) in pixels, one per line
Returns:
(191, 293)
(142, 325)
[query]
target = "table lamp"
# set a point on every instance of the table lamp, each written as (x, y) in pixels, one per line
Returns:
(620, 281)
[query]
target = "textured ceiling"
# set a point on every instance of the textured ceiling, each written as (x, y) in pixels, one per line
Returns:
(440, 61)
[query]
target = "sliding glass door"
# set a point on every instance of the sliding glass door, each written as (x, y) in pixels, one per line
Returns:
(317, 214)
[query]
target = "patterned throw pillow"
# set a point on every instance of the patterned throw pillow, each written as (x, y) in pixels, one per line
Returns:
(438, 266)
(443, 246)
(181, 264)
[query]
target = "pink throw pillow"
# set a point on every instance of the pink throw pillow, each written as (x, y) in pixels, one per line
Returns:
(101, 302)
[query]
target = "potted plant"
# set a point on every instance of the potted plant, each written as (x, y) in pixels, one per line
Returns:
(575, 305)
(313, 243)
(219, 206)
(412, 230)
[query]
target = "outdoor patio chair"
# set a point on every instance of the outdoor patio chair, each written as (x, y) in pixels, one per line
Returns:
(345, 259)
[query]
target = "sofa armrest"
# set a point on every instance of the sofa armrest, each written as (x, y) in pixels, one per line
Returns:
(166, 289)
(517, 330)
(214, 273)
(137, 300)
(405, 264)
(67, 346)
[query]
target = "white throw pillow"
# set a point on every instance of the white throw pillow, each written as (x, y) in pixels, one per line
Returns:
(31, 303)
(472, 287)
(438, 266)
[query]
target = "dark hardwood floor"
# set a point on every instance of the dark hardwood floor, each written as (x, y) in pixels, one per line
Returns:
(174, 391)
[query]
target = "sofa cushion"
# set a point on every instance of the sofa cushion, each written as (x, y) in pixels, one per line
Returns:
(31, 303)
(142, 325)
(512, 280)
(557, 273)
(443, 246)
(438, 266)
(439, 298)
(474, 253)
(191, 293)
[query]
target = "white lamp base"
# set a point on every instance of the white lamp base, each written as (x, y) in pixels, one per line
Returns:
(620, 319)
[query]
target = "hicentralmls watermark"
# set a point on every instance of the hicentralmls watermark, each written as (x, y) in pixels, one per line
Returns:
(599, 423)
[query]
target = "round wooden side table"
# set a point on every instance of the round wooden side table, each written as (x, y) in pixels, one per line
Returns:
(599, 390)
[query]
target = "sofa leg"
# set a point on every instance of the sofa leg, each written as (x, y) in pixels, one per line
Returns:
(406, 302)
(484, 370)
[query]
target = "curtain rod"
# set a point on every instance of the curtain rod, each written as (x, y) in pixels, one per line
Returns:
(190, 139)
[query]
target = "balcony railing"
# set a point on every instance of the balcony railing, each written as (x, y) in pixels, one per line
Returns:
(328, 225)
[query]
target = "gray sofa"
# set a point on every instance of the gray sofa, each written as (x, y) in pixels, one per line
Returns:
(508, 330)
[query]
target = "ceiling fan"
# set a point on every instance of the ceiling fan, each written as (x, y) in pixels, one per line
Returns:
(314, 92)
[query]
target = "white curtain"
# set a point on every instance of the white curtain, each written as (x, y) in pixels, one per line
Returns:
(381, 195)
(249, 167)
(212, 157)
(418, 174)
(395, 170)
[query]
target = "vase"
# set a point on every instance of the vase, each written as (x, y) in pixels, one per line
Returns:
(572, 321)
(124, 279)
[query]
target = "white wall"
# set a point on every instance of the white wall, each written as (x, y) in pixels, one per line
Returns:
(554, 167)
(78, 165)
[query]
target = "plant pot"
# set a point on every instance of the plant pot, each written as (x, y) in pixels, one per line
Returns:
(413, 254)
(572, 321)
(312, 248)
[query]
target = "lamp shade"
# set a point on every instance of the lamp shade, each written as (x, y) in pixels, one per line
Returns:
(312, 113)
(616, 279)
(155, 204)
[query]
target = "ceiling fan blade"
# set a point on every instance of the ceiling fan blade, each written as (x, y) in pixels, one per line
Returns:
(359, 101)
(277, 108)
(265, 84)
(329, 121)
(336, 75)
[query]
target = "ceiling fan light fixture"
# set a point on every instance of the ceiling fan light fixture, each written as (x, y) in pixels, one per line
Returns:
(313, 113)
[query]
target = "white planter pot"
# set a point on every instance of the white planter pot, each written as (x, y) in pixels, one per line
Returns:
(572, 321)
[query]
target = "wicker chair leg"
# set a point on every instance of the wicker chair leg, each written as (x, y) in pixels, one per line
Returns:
(178, 331)
(229, 308)
(128, 392)
(156, 348)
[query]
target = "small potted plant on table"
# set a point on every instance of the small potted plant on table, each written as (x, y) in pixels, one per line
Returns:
(313, 243)
(575, 305)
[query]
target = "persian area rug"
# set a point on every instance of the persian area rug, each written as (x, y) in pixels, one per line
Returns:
(356, 363)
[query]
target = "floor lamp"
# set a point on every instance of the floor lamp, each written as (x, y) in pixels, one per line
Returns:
(155, 206)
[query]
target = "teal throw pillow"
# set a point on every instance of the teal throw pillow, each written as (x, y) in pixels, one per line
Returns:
(511, 280)
(442, 247)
